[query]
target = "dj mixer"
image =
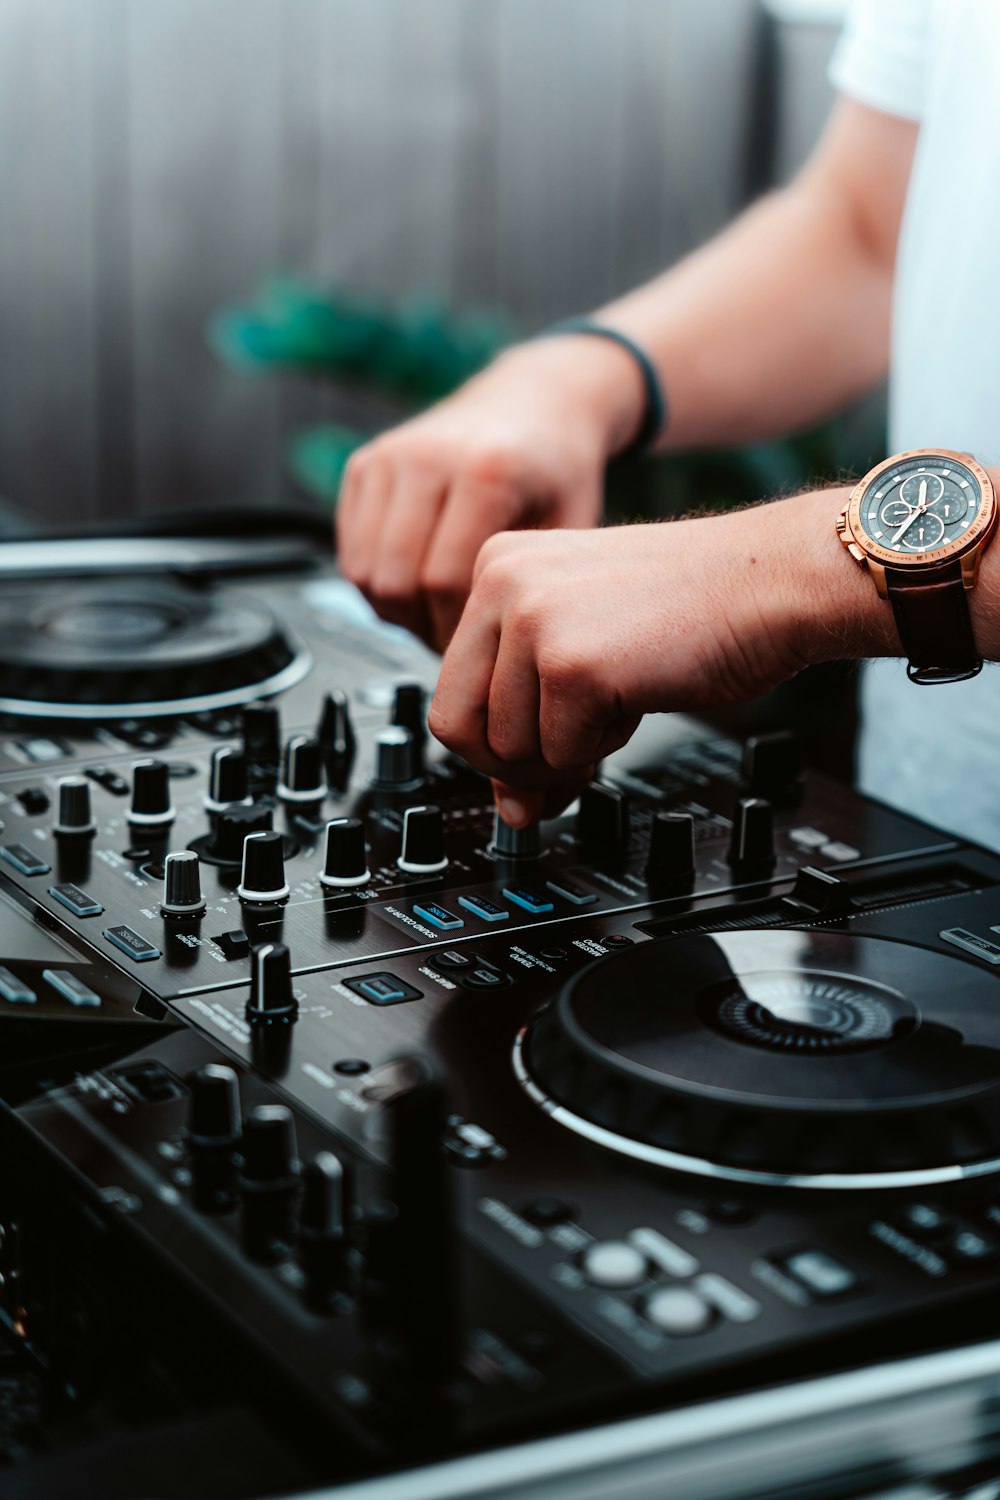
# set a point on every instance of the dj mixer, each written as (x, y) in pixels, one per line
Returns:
(347, 1130)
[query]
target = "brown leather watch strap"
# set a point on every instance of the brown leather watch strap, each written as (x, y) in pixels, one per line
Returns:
(932, 618)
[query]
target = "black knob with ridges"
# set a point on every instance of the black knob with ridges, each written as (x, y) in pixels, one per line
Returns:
(233, 827)
(671, 849)
(603, 822)
(515, 843)
(213, 1136)
(227, 780)
(272, 999)
(302, 775)
(409, 710)
(345, 861)
(151, 806)
(751, 848)
(394, 764)
(182, 896)
(269, 1182)
(422, 851)
(263, 875)
(335, 733)
(75, 818)
(262, 734)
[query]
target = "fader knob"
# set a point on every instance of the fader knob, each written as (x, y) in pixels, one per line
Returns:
(234, 826)
(345, 863)
(394, 764)
(269, 1181)
(151, 805)
(335, 733)
(182, 895)
(409, 712)
(515, 843)
(75, 816)
(213, 1135)
(751, 848)
(227, 780)
(262, 733)
(302, 778)
(671, 849)
(263, 876)
(271, 995)
(323, 1226)
(422, 852)
(603, 819)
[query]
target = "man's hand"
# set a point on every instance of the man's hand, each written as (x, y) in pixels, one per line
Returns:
(569, 638)
(525, 444)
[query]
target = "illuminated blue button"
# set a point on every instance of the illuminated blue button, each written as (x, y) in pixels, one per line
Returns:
(527, 900)
(382, 989)
(75, 900)
(132, 943)
(438, 916)
(487, 911)
(24, 859)
(15, 990)
(72, 989)
(571, 891)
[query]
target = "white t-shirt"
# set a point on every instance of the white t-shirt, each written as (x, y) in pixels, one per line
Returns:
(935, 751)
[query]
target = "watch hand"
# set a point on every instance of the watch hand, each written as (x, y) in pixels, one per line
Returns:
(922, 499)
(918, 510)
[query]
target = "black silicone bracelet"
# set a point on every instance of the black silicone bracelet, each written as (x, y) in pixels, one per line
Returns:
(655, 412)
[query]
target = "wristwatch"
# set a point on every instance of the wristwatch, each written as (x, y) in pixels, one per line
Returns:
(920, 522)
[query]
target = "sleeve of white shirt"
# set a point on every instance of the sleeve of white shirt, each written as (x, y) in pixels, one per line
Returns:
(881, 57)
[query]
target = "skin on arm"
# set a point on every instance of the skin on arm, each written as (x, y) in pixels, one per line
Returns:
(781, 318)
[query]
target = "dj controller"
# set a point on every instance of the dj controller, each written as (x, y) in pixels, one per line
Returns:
(347, 1130)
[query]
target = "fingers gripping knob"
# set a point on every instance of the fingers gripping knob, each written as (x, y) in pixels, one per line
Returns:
(263, 876)
(182, 895)
(422, 852)
(515, 843)
(345, 863)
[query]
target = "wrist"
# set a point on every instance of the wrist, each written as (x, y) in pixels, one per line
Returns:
(599, 379)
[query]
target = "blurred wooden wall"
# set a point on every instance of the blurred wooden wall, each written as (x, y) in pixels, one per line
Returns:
(158, 157)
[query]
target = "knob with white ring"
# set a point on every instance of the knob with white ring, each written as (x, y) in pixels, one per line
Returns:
(263, 875)
(345, 864)
(422, 852)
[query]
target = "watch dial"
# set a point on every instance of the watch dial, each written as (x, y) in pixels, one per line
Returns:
(921, 504)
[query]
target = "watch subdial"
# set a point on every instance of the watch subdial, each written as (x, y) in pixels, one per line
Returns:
(927, 531)
(922, 488)
(952, 505)
(894, 513)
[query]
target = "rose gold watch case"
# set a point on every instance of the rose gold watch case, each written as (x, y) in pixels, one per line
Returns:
(967, 550)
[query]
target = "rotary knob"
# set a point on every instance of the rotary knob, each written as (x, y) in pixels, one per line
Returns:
(213, 1135)
(262, 734)
(751, 848)
(233, 826)
(409, 712)
(671, 849)
(394, 762)
(422, 852)
(263, 875)
(271, 995)
(345, 863)
(268, 1183)
(603, 822)
(323, 1227)
(772, 764)
(182, 895)
(515, 843)
(76, 819)
(335, 733)
(151, 805)
(302, 778)
(227, 780)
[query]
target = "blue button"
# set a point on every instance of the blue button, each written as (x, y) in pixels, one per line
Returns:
(130, 942)
(75, 900)
(24, 859)
(488, 911)
(15, 990)
(438, 916)
(527, 900)
(72, 989)
(570, 891)
(382, 989)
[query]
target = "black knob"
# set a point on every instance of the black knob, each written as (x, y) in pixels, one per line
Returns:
(422, 852)
(409, 712)
(263, 877)
(268, 1183)
(671, 849)
(772, 764)
(336, 737)
(213, 1135)
(271, 996)
(302, 778)
(394, 763)
(345, 863)
(182, 895)
(262, 734)
(151, 805)
(751, 848)
(603, 822)
(323, 1226)
(818, 893)
(75, 816)
(232, 828)
(227, 780)
(516, 843)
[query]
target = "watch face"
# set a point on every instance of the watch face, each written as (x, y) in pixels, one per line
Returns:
(921, 504)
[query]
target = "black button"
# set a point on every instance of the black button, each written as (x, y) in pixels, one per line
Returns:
(131, 942)
(554, 955)
(136, 854)
(75, 900)
(544, 1212)
(108, 779)
(24, 859)
(383, 989)
(485, 977)
(616, 940)
(182, 770)
(234, 944)
(729, 1211)
(970, 1246)
(351, 1067)
(451, 960)
(34, 799)
(820, 1273)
